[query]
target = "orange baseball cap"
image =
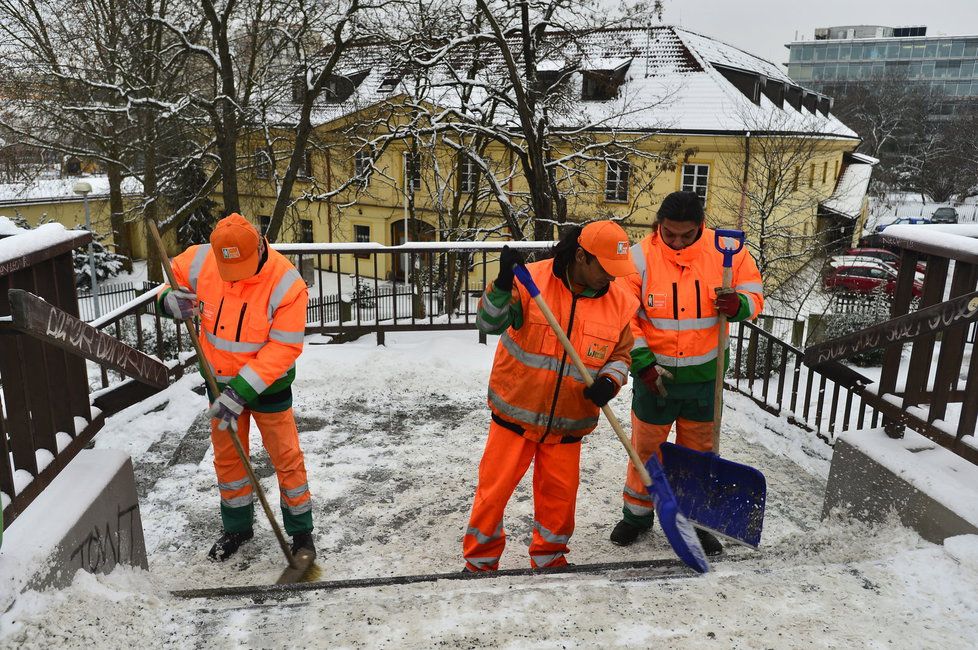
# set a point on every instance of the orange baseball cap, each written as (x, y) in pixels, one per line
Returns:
(234, 243)
(608, 241)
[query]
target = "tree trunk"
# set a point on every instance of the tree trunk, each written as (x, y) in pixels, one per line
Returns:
(120, 229)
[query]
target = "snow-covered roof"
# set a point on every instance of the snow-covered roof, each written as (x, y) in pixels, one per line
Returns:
(672, 83)
(60, 189)
(17, 243)
(850, 191)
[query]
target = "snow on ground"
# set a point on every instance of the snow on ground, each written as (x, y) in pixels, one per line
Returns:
(392, 437)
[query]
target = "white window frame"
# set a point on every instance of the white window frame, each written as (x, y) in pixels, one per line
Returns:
(696, 177)
(617, 174)
(469, 171)
(356, 238)
(263, 164)
(362, 166)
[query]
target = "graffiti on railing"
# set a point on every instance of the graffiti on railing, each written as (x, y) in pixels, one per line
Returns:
(103, 546)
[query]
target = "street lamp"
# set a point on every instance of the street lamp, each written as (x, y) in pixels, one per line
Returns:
(84, 189)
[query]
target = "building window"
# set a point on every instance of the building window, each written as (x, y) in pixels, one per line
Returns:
(412, 170)
(811, 175)
(305, 231)
(361, 235)
(362, 166)
(825, 172)
(305, 165)
(263, 164)
(469, 174)
(696, 179)
(794, 182)
(616, 173)
(263, 222)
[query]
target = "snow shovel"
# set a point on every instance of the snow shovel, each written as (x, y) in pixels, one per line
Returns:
(721, 496)
(678, 530)
(302, 567)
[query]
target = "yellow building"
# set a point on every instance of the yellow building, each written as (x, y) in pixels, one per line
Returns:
(674, 110)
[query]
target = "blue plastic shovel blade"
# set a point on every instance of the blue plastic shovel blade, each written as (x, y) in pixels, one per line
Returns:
(720, 495)
(678, 530)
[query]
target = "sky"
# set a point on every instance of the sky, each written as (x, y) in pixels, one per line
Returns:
(762, 27)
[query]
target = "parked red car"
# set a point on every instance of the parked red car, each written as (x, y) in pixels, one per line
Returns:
(863, 275)
(884, 255)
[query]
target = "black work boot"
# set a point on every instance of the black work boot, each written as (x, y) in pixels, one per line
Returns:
(303, 542)
(625, 533)
(711, 545)
(228, 544)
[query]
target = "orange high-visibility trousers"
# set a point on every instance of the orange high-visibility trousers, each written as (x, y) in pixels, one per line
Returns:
(646, 438)
(556, 476)
(280, 437)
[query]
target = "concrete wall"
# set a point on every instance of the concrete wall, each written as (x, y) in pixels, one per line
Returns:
(931, 489)
(88, 518)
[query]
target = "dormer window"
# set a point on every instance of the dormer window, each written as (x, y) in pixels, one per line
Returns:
(751, 84)
(338, 88)
(389, 83)
(602, 85)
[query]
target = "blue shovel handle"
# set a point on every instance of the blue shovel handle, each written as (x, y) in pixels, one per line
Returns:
(523, 275)
(728, 253)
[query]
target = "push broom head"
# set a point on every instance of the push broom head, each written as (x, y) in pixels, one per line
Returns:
(303, 569)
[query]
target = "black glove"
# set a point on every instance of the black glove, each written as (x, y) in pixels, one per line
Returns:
(601, 391)
(507, 259)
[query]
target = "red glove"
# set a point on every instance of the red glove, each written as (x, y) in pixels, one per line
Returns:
(652, 376)
(728, 303)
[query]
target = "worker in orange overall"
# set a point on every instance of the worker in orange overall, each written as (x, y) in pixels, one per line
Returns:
(675, 355)
(252, 307)
(541, 407)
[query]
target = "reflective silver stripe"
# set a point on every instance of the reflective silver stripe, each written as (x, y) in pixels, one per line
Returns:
(239, 502)
(684, 324)
(197, 263)
(491, 309)
(545, 560)
(644, 496)
(680, 362)
(282, 336)
(618, 370)
(289, 278)
(638, 259)
(300, 509)
(485, 539)
(253, 379)
(224, 378)
(638, 511)
(751, 303)
(538, 419)
(482, 561)
(296, 492)
(753, 287)
(541, 361)
(232, 346)
(640, 342)
(549, 535)
(234, 485)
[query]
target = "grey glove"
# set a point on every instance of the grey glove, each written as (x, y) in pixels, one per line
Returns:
(180, 304)
(227, 408)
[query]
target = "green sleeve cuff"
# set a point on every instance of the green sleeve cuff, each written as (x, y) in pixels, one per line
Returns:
(744, 312)
(642, 358)
(243, 388)
(160, 309)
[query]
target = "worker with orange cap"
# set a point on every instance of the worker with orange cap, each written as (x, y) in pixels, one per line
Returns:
(252, 307)
(541, 409)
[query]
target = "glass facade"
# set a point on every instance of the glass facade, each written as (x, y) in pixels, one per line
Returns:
(948, 65)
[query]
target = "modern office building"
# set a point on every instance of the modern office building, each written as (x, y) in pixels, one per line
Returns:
(841, 56)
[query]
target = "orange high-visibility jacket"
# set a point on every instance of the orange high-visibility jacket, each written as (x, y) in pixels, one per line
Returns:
(677, 322)
(533, 383)
(251, 331)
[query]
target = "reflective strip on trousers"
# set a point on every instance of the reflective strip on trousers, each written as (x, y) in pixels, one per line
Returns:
(282, 336)
(234, 485)
(541, 361)
(239, 502)
(546, 560)
(278, 294)
(483, 562)
(539, 419)
(550, 536)
(302, 508)
(637, 510)
(296, 492)
(198, 262)
(644, 496)
(225, 345)
(485, 539)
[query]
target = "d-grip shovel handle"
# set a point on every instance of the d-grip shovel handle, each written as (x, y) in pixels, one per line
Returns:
(728, 253)
(523, 275)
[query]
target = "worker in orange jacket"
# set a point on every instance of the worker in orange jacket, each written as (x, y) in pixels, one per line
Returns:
(252, 307)
(541, 407)
(675, 355)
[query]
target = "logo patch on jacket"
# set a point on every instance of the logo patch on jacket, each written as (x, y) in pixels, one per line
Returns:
(230, 253)
(597, 351)
(657, 300)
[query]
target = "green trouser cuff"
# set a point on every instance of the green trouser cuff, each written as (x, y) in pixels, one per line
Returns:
(237, 520)
(297, 523)
(639, 521)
